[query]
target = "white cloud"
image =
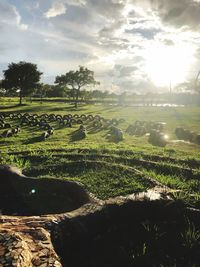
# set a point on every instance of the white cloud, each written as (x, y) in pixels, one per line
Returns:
(57, 9)
(76, 2)
(9, 15)
(110, 37)
(23, 27)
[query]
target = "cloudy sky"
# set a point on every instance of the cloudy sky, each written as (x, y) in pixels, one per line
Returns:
(131, 45)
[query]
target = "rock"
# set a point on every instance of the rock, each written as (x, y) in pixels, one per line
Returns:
(2, 251)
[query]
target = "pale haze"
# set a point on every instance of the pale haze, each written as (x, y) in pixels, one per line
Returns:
(133, 46)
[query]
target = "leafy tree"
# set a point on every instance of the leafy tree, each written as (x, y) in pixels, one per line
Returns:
(22, 77)
(41, 89)
(57, 91)
(71, 94)
(85, 95)
(48, 90)
(75, 80)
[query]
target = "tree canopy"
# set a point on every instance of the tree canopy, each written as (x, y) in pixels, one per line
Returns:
(75, 80)
(22, 77)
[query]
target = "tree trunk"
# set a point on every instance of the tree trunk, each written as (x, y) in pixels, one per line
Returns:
(77, 95)
(20, 96)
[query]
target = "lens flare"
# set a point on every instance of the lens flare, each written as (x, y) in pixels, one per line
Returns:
(33, 191)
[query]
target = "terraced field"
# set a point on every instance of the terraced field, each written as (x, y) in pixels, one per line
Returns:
(106, 166)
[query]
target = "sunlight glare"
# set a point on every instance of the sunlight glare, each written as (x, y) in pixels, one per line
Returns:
(167, 65)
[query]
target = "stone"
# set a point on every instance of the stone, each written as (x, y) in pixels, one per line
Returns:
(36, 261)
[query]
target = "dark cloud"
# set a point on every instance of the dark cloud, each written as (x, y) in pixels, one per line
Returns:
(178, 12)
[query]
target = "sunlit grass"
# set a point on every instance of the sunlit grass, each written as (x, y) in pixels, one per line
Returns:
(166, 165)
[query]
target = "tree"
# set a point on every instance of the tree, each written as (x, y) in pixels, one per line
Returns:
(22, 77)
(48, 90)
(2, 90)
(75, 80)
(57, 91)
(41, 89)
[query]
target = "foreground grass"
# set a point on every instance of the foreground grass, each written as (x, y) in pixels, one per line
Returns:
(47, 158)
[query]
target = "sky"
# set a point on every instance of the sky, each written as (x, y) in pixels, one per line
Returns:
(131, 45)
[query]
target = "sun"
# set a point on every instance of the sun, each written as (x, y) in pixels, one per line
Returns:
(167, 65)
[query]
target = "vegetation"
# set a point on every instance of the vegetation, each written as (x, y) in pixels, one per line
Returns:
(106, 167)
(110, 167)
(22, 77)
(76, 80)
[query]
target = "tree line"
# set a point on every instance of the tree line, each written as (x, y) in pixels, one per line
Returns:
(23, 78)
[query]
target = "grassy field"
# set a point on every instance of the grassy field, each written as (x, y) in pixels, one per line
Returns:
(107, 168)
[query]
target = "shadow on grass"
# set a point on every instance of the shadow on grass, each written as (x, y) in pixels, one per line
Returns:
(109, 108)
(50, 109)
(13, 106)
(3, 142)
(33, 140)
(76, 136)
(68, 109)
(105, 108)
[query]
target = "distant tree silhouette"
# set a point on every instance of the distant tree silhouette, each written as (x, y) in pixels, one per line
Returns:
(75, 80)
(22, 77)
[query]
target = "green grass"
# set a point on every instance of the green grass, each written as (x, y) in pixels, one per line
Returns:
(177, 165)
(130, 114)
(100, 178)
